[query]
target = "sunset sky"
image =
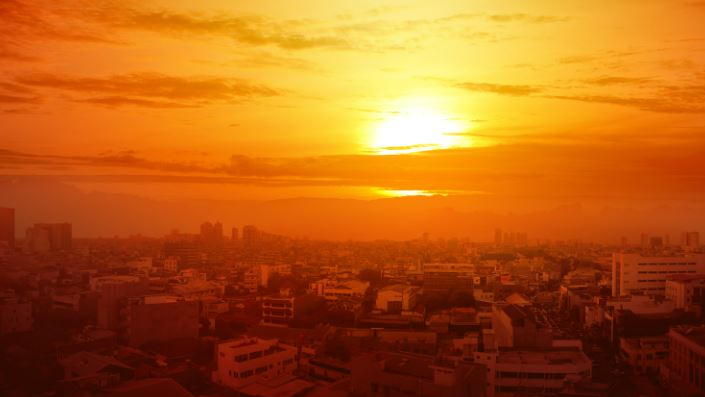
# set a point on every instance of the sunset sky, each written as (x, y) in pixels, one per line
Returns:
(556, 101)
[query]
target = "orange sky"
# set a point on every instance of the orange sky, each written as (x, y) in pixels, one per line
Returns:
(557, 101)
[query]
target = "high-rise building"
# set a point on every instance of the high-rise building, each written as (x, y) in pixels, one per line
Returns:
(634, 273)
(212, 234)
(234, 236)
(44, 237)
(250, 235)
(691, 240)
(7, 226)
(644, 241)
(498, 236)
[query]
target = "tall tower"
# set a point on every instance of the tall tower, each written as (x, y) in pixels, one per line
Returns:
(7, 226)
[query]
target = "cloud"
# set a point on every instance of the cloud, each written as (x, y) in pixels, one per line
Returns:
(118, 101)
(152, 90)
(526, 18)
(582, 167)
(617, 80)
(502, 89)
(13, 99)
(651, 104)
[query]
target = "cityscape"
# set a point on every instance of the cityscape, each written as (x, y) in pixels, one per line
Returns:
(458, 198)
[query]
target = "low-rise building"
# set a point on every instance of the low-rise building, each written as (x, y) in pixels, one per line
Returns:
(399, 374)
(644, 355)
(539, 371)
(396, 298)
(15, 316)
(246, 360)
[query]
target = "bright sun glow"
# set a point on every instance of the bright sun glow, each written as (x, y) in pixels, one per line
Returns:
(416, 130)
(408, 193)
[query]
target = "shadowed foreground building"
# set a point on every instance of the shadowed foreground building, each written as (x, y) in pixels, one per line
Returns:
(402, 374)
(686, 365)
(159, 319)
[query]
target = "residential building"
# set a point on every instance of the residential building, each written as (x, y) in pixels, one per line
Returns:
(644, 354)
(15, 316)
(247, 360)
(686, 363)
(113, 290)
(537, 371)
(396, 298)
(444, 277)
(687, 291)
(159, 318)
(401, 374)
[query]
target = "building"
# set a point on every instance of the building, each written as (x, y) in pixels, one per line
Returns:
(247, 360)
(250, 236)
(402, 374)
(635, 273)
(44, 237)
(686, 363)
(234, 234)
(212, 235)
(335, 289)
(396, 298)
(691, 240)
(533, 372)
(282, 309)
(498, 237)
(113, 290)
(7, 226)
(159, 318)
(645, 354)
(187, 251)
(444, 277)
(15, 316)
(687, 291)
(521, 326)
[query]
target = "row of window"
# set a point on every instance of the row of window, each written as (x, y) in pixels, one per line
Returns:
(530, 375)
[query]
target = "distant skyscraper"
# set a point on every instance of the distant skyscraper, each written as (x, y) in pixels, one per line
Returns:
(43, 237)
(645, 241)
(690, 240)
(250, 235)
(234, 236)
(656, 242)
(498, 236)
(212, 234)
(7, 226)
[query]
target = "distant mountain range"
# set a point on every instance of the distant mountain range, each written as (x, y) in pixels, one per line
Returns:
(107, 214)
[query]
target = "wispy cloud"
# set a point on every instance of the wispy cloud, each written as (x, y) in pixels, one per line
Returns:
(502, 89)
(520, 17)
(152, 90)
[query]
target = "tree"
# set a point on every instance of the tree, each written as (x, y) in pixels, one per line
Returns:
(371, 275)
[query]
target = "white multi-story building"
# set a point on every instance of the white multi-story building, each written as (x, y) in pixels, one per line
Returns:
(396, 298)
(536, 371)
(246, 360)
(686, 290)
(635, 273)
(335, 289)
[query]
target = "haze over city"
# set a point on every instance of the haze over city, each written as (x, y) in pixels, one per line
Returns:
(352, 198)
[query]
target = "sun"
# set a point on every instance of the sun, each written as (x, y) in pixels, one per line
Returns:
(418, 129)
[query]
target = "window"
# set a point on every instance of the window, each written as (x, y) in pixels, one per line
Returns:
(246, 374)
